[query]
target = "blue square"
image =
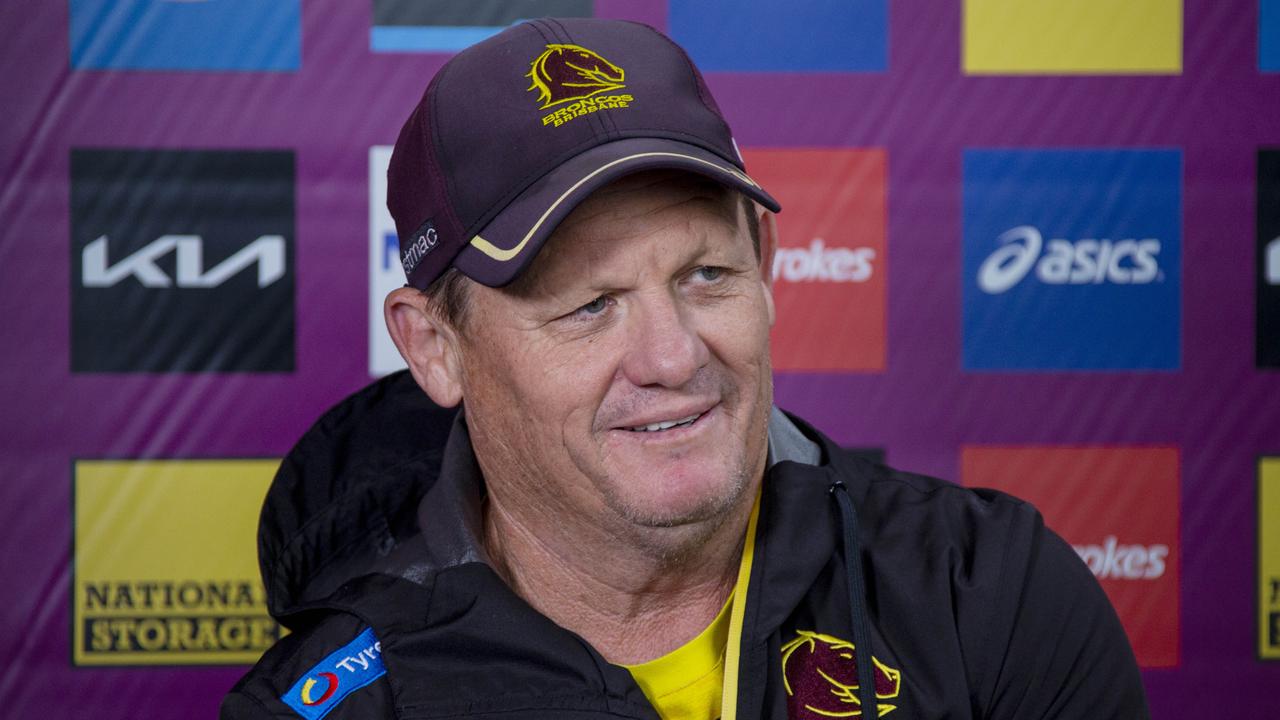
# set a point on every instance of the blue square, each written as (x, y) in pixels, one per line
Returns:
(1269, 35)
(160, 35)
(1072, 259)
(802, 35)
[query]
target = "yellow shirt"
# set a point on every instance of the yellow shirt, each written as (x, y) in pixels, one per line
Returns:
(686, 683)
(699, 680)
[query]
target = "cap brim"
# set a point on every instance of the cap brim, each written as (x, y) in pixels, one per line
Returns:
(506, 246)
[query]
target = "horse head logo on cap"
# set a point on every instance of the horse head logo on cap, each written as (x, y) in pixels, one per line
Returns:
(571, 72)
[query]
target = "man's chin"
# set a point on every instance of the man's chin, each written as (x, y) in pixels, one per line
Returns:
(649, 516)
(673, 497)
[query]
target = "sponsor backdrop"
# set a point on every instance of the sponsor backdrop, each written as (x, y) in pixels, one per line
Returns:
(1026, 244)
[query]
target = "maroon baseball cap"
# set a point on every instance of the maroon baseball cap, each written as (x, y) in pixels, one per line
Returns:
(515, 131)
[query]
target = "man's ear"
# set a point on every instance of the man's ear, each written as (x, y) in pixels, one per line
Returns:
(768, 246)
(427, 343)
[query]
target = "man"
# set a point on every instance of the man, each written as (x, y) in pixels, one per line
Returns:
(621, 524)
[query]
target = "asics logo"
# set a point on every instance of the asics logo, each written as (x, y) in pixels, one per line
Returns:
(1065, 262)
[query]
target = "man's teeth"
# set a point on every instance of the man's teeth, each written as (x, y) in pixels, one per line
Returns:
(666, 424)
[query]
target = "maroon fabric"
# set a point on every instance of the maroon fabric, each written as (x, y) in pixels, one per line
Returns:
(503, 114)
(821, 675)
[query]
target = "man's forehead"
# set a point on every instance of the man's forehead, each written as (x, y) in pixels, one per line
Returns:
(627, 208)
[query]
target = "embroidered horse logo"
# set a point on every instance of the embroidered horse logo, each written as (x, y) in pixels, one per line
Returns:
(571, 72)
(820, 675)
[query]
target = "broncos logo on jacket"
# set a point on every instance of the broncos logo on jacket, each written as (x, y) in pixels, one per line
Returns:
(820, 675)
(571, 72)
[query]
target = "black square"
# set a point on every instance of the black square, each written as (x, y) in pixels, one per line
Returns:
(1268, 258)
(182, 261)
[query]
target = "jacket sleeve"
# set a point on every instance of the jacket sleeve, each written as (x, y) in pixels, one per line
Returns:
(1058, 650)
(242, 706)
(308, 653)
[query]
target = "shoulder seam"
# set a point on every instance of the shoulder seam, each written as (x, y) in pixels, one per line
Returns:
(944, 486)
(298, 535)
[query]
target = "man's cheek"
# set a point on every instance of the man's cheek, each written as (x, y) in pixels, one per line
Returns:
(762, 300)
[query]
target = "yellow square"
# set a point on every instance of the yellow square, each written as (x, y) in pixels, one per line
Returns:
(1269, 558)
(1072, 37)
(166, 569)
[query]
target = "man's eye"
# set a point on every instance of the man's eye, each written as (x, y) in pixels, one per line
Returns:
(709, 273)
(595, 307)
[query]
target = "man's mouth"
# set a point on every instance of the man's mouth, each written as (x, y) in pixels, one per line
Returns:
(664, 425)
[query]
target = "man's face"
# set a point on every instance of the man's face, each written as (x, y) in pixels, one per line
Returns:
(626, 377)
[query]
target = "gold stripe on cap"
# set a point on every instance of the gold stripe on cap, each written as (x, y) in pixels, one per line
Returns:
(501, 255)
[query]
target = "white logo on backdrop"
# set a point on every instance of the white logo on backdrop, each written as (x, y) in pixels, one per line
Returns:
(822, 264)
(1114, 561)
(267, 252)
(1063, 262)
(1273, 262)
(385, 271)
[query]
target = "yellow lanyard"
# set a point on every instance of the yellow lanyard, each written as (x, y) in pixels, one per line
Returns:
(732, 657)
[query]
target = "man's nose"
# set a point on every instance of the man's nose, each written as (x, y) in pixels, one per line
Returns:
(664, 347)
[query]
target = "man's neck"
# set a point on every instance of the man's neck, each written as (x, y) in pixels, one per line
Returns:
(633, 599)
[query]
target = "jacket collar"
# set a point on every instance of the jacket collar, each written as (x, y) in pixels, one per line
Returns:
(797, 531)
(450, 514)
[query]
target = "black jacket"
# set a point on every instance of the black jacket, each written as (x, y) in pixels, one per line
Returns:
(973, 608)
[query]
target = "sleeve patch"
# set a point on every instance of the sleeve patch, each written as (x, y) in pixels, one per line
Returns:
(341, 673)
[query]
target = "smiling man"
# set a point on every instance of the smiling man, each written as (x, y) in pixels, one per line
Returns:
(620, 524)
(617, 397)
